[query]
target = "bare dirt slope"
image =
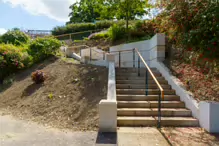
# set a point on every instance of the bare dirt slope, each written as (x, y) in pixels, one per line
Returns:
(68, 98)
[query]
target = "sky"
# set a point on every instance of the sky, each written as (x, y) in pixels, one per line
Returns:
(33, 14)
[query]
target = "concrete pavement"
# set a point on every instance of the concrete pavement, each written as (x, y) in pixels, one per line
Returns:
(15, 132)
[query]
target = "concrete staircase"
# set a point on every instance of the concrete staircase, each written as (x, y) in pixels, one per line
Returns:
(137, 109)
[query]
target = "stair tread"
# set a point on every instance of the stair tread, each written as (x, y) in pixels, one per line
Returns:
(152, 109)
(149, 102)
(155, 118)
(134, 108)
(139, 84)
(124, 95)
(137, 79)
(144, 89)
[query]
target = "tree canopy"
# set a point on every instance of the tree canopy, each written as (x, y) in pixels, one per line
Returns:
(91, 10)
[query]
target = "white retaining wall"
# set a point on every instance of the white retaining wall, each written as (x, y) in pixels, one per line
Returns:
(205, 112)
(190, 102)
(152, 49)
(108, 107)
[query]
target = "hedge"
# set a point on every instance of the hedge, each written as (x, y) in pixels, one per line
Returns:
(80, 27)
(15, 37)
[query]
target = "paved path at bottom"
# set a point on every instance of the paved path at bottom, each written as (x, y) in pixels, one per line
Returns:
(22, 133)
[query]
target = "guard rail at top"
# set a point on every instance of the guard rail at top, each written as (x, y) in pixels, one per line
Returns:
(75, 33)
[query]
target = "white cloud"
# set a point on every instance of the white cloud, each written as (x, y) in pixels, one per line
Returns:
(55, 9)
(2, 31)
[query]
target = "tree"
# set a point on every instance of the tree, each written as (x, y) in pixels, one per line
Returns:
(91, 10)
(86, 11)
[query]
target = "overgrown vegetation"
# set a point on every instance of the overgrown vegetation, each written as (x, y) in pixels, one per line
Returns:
(116, 31)
(14, 37)
(41, 48)
(16, 56)
(193, 27)
(80, 27)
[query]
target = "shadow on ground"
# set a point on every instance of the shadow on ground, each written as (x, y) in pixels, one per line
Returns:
(106, 138)
(31, 89)
(189, 136)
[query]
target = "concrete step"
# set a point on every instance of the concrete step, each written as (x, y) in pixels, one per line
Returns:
(141, 86)
(165, 112)
(118, 74)
(137, 78)
(146, 98)
(136, 72)
(152, 121)
(150, 104)
(143, 91)
(139, 81)
(133, 69)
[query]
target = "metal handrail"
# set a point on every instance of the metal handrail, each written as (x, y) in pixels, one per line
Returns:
(120, 51)
(158, 84)
(161, 94)
(67, 34)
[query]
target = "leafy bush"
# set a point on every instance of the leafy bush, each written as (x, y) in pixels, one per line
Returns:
(72, 28)
(41, 48)
(103, 24)
(117, 32)
(38, 76)
(13, 58)
(192, 26)
(143, 29)
(99, 36)
(79, 27)
(15, 37)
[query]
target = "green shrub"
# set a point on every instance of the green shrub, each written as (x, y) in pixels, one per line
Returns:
(144, 28)
(99, 36)
(103, 24)
(41, 48)
(15, 37)
(72, 28)
(79, 27)
(116, 32)
(13, 58)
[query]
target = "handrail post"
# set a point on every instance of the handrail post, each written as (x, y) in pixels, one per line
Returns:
(133, 58)
(139, 66)
(119, 59)
(90, 55)
(103, 56)
(80, 51)
(146, 85)
(159, 110)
